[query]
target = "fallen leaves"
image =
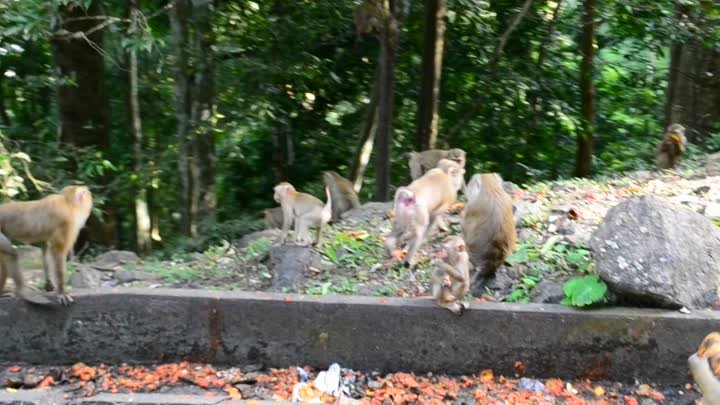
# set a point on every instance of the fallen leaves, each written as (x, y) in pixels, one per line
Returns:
(290, 384)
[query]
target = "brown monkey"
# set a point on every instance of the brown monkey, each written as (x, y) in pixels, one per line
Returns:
(302, 210)
(488, 226)
(705, 367)
(421, 162)
(368, 17)
(343, 194)
(418, 208)
(455, 265)
(54, 221)
(671, 148)
(273, 218)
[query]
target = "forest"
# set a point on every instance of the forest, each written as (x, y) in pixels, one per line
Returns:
(181, 115)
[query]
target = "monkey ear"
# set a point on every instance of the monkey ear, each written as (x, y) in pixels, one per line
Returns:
(461, 248)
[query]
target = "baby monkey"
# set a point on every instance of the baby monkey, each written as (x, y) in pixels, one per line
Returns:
(451, 279)
(705, 367)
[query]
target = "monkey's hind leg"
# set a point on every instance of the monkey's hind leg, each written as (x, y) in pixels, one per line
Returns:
(47, 261)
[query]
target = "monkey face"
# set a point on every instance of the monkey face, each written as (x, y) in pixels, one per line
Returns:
(280, 191)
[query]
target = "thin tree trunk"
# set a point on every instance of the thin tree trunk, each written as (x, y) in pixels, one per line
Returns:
(583, 161)
(142, 216)
(4, 118)
(179, 15)
(83, 105)
(434, 44)
(367, 139)
(204, 163)
(385, 104)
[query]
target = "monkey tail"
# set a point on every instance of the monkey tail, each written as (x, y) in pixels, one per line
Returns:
(327, 209)
(414, 164)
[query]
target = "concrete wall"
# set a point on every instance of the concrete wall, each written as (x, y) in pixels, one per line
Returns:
(145, 326)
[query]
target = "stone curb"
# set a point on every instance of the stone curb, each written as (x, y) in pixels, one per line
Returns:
(50, 397)
(145, 326)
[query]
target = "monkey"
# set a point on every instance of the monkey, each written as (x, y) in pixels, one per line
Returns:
(455, 264)
(343, 194)
(446, 164)
(705, 366)
(421, 162)
(671, 148)
(368, 17)
(418, 208)
(302, 210)
(488, 227)
(54, 221)
(273, 218)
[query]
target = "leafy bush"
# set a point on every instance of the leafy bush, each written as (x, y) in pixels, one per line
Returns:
(584, 291)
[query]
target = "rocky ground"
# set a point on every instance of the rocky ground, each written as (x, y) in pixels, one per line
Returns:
(306, 385)
(555, 223)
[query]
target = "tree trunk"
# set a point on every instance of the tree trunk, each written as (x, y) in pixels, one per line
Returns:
(143, 242)
(203, 115)
(386, 98)
(179, 15)
(367, 139)
(434, 41)
(83, 104)
(583, 161)
(693, 92)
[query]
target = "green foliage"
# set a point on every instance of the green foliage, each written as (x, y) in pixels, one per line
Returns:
(584, 291)
(259, 248)
(354, 249)
(521, 291)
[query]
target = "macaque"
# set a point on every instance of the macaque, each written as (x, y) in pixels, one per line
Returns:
(671, 148)
(304, 211)
(705, 367)
(273, 218)
(54, 221)
(488, 226)
(368, 17)
(451, 279)
(421, 162)
(419, 207)
(446, 164)
(343, 194)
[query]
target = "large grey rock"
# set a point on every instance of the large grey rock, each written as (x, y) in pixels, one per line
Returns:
(654, 253)
(115, 259)
(270, 234)
(87, 277)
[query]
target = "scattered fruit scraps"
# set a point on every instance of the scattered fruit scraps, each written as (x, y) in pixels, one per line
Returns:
(481, 388)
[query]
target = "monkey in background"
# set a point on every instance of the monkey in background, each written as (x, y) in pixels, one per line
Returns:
(302, 210)
(671, 148)
(451, 279)
(488, 227)
(54, 221)
(419, 207)
(343, 194)
(421, 162)
(705, 367)
(273, 218)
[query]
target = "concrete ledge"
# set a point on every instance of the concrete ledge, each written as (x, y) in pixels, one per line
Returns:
(50, 397)
(145, 326)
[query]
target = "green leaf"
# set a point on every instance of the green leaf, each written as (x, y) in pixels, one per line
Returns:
(583, 291)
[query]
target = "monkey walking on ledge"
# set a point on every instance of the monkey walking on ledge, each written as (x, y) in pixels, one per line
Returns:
(54, 221)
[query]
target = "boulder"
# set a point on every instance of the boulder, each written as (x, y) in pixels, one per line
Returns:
(289, 262)
(270, 234)
(654, 253)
